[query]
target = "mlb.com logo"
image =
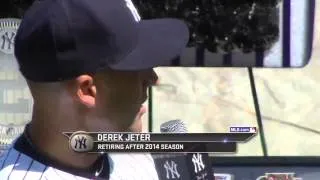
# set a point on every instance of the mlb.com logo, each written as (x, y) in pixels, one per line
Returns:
(237, 129)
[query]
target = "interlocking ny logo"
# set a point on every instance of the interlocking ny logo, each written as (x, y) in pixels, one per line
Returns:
(171, 170)
(7, 40)
(133, 10)
(81, 142)
(197, 162)
(8, 31)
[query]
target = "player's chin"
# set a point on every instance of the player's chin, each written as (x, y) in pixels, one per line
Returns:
(136, 125)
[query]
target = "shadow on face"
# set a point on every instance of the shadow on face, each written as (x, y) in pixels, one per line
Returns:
(116, 96)
(113, 96)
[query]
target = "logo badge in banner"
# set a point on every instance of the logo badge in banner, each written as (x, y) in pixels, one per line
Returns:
(279, 176)
(81, 141)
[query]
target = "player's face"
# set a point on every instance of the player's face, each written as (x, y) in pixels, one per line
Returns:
(121, 94)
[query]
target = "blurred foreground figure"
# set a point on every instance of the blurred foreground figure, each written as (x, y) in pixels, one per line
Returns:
(88, 64)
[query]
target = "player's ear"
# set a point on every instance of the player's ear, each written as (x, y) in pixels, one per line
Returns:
(85, 90)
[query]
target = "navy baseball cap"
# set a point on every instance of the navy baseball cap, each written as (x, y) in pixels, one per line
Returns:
(62, 39)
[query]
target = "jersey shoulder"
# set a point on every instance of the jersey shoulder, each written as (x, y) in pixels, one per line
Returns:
(16, 165)
(136, 165)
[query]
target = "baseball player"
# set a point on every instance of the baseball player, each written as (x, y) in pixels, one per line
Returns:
(88, 64)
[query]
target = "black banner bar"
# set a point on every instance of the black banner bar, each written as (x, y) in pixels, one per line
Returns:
(168, 137)
(164, 147)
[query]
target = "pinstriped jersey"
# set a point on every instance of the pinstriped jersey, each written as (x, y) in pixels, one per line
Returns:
(16, 165)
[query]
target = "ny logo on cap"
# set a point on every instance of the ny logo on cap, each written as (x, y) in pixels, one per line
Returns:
(133, 10)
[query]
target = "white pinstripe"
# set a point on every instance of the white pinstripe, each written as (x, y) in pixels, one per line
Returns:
(17, 166)
(33, 174)
(19, 169)
(132, 166)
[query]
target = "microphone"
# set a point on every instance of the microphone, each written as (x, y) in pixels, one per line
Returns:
(189, 166)
(173, 126)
